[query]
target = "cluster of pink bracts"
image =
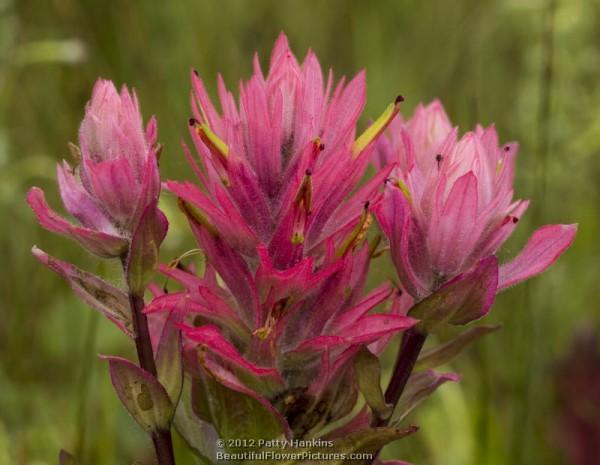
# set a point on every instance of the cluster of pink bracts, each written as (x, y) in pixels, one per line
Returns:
(275, 338)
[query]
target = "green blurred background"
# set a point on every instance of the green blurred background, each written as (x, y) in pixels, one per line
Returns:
(530, 66)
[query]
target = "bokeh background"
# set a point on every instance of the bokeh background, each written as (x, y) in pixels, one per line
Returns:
(530, 66)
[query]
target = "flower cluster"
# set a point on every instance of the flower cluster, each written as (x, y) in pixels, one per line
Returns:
(449, 207)
(275, 338)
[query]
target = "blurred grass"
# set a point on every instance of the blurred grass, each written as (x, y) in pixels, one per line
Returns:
(487, 60)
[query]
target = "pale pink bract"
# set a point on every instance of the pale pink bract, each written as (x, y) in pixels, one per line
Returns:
(448, 206)
(117, 177)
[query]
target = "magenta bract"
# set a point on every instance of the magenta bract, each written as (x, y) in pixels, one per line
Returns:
(280, 220)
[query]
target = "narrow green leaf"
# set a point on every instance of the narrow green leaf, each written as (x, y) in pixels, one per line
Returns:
(168, 359)
(445, 353)
(368, 376)
(419, 387)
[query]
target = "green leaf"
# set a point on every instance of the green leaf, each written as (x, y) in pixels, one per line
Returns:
(168, 359)
(419, 387)
(141, 394)
(234, 415)
(445, 353)
(143, 252)
(366, 441)
(368, 376)
(200, 436)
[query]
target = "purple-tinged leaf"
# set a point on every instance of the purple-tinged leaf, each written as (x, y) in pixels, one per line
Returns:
(419, 387)
(97, 293)
(465, 298)
(365, 441)
(142, 395)
(143, 253)
(445, 353)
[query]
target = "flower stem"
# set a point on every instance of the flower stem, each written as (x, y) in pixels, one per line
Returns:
(163, 444)
(141, 332)
(410, 348)
(412, 343)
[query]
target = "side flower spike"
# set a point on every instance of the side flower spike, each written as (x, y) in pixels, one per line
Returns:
(448, 208)
(116, 179)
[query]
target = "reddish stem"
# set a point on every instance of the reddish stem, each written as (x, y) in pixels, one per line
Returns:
(163, 444)
(408, 353)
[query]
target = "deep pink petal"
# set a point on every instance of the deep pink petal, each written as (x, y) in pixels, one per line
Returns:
(99, 243)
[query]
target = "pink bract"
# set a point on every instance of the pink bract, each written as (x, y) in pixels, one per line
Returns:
(281, 221)
(449, 204)
(116, 177)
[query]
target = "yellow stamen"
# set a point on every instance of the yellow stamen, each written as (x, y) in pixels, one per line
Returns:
(404, 188)
(297, 238)
(212, 139)
(304, 194)
(378, 126)
(197, 215)
(356, 234)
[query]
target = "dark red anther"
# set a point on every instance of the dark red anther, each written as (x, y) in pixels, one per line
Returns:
(515, 219)
(506, 148)
(192, 121)
(367, 204)
(195, 71)
(321, 147)
(399, 99)
(308, 172)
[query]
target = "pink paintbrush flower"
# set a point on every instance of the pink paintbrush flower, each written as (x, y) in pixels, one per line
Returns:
(117, 177)
(282, 223)
(279, 170)
(449, 207)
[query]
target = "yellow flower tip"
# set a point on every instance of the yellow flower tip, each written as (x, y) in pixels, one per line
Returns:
(378, 126)
(262, 333)
(196, 215)
(318, 144)
(357, 234)
(297, 238)
(212, 140)
(404, 188)
(304, 194)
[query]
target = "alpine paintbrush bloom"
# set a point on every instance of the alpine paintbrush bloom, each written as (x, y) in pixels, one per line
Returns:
(282, 223)
(449, 207)
(116, 179)
(278, 171)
